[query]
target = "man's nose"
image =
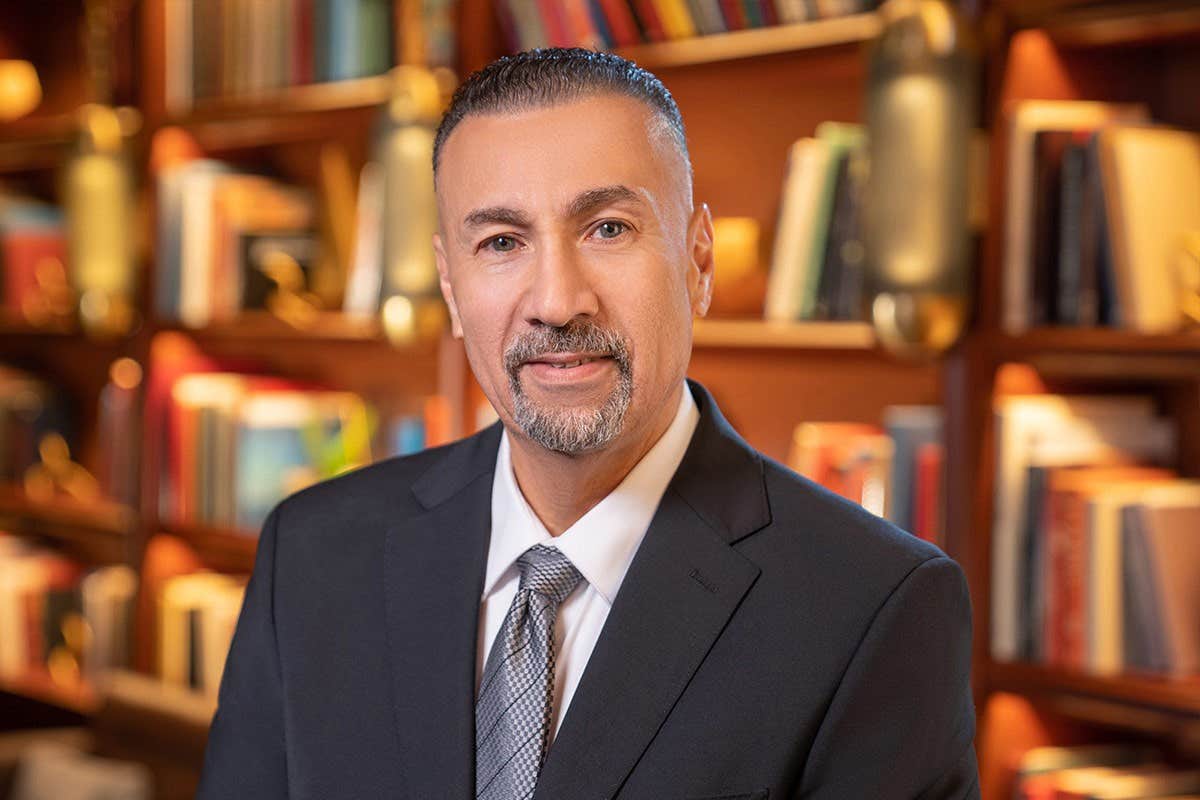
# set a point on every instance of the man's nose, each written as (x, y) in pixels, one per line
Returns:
(561, 289)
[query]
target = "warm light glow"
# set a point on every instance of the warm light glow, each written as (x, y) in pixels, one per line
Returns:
(20, 90)
(125, 373)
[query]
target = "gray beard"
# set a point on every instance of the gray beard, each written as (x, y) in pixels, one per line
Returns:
(571, 431)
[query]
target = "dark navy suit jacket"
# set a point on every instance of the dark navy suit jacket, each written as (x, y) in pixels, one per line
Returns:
(770, 640)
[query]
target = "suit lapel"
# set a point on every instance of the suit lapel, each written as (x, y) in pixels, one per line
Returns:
(434, 572)
(683, 585)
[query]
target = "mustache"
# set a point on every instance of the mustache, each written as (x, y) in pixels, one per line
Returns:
(577, 336)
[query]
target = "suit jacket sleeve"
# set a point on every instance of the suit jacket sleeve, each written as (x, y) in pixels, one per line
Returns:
(245, 754)
(902, 722)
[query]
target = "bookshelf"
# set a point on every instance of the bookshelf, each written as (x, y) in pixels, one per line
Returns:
(745, 97)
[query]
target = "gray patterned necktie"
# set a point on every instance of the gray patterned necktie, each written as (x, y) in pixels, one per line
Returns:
(512, 714)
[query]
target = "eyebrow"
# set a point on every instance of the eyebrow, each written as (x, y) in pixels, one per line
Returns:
(582, 204)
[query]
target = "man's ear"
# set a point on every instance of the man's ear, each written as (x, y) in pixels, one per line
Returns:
(443, 269)
(701, 266)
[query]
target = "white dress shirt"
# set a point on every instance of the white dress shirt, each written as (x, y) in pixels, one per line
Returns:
(601, 545)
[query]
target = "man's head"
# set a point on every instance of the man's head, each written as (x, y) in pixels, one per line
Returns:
(570, 254)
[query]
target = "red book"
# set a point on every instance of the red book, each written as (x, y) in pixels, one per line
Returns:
(620, 22)
(928, 493)
(1067, 556)
(579, 23)
(302, 47)
(734, 14)
(651, 22)
(555, 23)
(21, 252)
(769, 14)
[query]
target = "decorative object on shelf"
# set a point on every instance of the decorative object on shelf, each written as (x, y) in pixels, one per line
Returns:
(1189, 277)
(921, 104)
(740, 278)
(98, 196)
(58, 474)
(20, 90)
(411, 304)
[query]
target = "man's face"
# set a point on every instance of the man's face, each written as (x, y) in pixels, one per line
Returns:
(572, 262)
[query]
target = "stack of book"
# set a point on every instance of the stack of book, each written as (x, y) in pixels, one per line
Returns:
(1096, 542)
(1102, 772)
(237, 444)
(29, 409)
(817, 265)
(893, 471)
(1098, 204)
(58, 616)
(226, 48)
(32, 241)
(602, 24)
(229, 241)
(197, 615)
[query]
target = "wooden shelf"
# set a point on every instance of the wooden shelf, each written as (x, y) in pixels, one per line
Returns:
(1174, 696)
(36, 143)
(760, 334)
(38, 686)
(100, 530)
(1106, 341)
(15, 326)
(222, 549)
(328, 326)
(757, 42)
(298, 113)
(1136, 23)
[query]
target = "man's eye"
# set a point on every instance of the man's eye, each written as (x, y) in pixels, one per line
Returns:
(501, 244)
(611, 229)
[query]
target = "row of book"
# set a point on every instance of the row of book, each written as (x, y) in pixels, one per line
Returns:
(238, 443)
(1099, 206)
(223, 48)
(33, 256)
(60, 618)
(894, 471)
(603, 24)
(818, 269)
(1102, 772)
(229, 241)
(1096, 541)
(197, 615)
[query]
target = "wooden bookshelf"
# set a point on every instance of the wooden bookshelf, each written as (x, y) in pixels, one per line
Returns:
(1112, 341)
(35, 143)
(758, 334)
(100, 530)
(756, 42)
(80, 698)
(222, 549)
(326, 326)
(1177, 696)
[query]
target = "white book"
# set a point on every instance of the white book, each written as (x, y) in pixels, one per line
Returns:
(21, 576)
(365, 281)
(196, 251)
(1029, 118)
(807, 169)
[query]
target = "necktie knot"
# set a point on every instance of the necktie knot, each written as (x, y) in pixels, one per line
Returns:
(548, 572)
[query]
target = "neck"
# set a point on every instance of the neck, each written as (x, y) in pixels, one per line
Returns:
(561, 488)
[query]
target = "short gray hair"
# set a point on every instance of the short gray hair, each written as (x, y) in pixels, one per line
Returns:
(554, 75)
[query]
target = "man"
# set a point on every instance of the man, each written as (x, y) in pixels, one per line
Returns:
(607, 594)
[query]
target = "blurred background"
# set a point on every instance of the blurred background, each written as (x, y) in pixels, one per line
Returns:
(958, 252)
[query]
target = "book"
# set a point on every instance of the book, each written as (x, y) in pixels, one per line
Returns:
(1151, 185)
(852, 459)
(1047, 430)
(1161, 537)
(788, 279)
(1025, 120)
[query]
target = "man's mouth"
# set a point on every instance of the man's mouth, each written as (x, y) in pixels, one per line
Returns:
(566, 360)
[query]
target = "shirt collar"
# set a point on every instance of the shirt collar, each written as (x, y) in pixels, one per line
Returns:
(602, 543)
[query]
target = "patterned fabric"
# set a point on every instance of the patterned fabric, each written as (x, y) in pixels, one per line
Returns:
(512, 714)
